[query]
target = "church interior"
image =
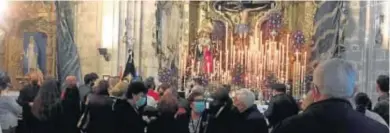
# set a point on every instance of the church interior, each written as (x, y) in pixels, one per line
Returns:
(249, 44)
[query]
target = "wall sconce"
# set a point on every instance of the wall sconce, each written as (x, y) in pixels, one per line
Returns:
(104, 53)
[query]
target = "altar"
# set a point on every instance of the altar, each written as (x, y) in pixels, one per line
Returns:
(249, 45)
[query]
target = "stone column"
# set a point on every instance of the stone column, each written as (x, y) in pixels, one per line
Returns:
(363, 47)
(87, 34)
(148, 58)
(110, 36)
(141, 16)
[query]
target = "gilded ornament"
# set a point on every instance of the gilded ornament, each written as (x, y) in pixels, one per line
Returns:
(29, 17)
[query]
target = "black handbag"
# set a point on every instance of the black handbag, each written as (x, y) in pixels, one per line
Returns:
(84, 119)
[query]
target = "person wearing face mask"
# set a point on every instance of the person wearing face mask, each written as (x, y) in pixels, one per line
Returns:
(197, 117)
(26, 98)
(129, 111)
(249, 119)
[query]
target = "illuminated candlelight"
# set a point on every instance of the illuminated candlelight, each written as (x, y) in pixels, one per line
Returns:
(302, 76)
(304, 66)
(233, 49)
(261, 39)
(246, 57)
(198, 67)
(226, 45)
(234, 57)
(192, 66)
(277, 63)
(214, 68)
(219, 63)
(226, 59)
(283, 72)
(242, 56)
(287, 57)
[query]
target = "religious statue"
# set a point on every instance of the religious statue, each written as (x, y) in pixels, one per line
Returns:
(32, 55)
(239, 12)
(204, 46)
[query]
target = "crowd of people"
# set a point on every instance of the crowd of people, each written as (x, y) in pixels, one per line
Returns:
(332, 105)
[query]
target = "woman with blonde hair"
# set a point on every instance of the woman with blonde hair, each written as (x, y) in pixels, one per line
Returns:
(119, 89)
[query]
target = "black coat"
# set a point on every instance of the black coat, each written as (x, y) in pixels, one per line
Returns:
(102, 116)
(27, 95)
(281, 106)
(167, 123)
(71, 109)
(382, 107)
(222, 122)
(63, 116)
(330, 116)
(128, 118)
(250, 121)
(184, 120)
(53, 124)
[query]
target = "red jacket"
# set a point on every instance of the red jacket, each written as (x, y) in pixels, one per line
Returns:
(153, 94)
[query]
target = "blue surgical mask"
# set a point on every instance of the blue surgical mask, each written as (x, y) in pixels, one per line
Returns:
(199, 106)
(141, 102)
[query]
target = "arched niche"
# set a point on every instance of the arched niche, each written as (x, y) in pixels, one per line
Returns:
(29, 18)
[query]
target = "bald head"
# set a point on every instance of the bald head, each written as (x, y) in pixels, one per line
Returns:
(71, 81)
(335, 78)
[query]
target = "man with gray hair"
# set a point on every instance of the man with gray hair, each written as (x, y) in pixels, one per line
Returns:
(331, 111)
(249, 119)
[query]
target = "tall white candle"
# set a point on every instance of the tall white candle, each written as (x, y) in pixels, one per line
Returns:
(287, 56)
(226, 45)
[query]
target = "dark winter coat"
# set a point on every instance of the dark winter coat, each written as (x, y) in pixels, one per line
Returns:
(222, 120)
(27, 95)
(102, 116)
(250, 121)
(63, 117)
(330, 116)
(382, 107)
(281, 106)
(128, 118)
(167, 123)
(71, 109)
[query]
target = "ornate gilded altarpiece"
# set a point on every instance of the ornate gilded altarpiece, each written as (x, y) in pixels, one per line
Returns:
(29, 17)
(240, 24)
